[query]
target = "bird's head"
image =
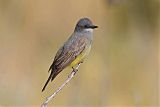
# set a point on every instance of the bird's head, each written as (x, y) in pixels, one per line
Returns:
(85, 24)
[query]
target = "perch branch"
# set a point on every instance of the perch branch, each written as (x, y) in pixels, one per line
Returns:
(71, 75)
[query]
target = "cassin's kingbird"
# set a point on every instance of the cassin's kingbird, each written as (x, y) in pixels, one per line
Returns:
(74, 50)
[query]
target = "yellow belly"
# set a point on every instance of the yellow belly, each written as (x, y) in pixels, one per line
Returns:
(81, 57)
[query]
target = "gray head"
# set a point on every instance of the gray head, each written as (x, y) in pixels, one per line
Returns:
(84, 24)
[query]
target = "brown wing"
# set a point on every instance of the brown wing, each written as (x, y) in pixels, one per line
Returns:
(68, 53)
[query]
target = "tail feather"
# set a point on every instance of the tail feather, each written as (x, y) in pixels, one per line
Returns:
(51, 77)
(47, 81)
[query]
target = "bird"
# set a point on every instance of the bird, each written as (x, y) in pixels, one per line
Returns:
(74, 50)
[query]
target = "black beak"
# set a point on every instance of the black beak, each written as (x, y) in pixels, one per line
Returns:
(93, 26)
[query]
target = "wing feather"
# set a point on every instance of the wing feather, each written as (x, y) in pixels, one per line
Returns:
(68, 54)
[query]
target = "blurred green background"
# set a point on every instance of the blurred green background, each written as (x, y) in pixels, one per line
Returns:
(121, 71)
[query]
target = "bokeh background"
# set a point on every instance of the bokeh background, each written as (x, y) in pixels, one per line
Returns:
(121, 71)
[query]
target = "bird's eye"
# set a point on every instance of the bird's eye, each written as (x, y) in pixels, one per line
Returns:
(86, 26)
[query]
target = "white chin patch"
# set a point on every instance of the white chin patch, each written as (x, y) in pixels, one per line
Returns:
(89, 30)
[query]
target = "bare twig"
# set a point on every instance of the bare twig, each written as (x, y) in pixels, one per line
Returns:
(71, 75)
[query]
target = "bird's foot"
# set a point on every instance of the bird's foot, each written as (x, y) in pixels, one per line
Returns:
(74, 70)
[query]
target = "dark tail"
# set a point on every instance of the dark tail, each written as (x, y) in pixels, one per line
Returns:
(49, 78)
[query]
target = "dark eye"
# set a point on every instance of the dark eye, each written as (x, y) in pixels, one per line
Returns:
(85, 26)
